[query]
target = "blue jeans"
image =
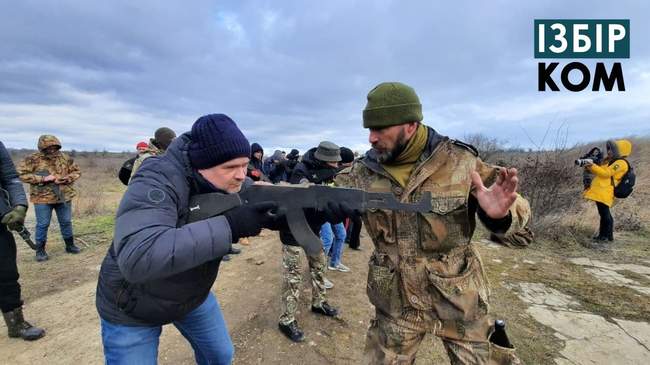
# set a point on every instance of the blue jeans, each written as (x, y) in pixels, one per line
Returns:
(203, 327)
(333, 246)
(44, 216)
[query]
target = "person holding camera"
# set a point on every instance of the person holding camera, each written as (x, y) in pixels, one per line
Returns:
(607, 175)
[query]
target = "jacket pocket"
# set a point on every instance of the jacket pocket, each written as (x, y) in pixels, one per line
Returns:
(459, 285)
(380, 224)
(502, 356)
(445, 226)
(383, 284)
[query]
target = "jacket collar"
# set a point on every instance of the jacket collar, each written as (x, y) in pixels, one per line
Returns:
(433, 139)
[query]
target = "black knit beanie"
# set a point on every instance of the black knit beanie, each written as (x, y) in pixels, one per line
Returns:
(347, 155)
(215, 140)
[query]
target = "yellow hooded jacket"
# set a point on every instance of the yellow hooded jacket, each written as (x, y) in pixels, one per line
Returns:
(609, 173)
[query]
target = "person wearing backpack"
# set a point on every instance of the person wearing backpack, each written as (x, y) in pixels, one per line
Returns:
(607, 178)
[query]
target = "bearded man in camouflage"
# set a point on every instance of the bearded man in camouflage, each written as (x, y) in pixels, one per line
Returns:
(51, 174)
(424, 274)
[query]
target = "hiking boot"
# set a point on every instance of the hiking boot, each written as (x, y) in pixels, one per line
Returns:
(70, 247)
(325, 309)
(234, 251)
(292, 331)
(327, 284)
(226, 258)
(41, 255)
(19, 328)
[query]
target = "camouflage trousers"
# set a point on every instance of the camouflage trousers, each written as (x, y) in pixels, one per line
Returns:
(395, 341)
(292, 281)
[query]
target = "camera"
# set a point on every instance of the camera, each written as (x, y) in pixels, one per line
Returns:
(582, 162)
(594, 156)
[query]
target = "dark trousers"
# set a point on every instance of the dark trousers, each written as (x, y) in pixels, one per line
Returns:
(354, 230)
(606, 221)
(9, 287)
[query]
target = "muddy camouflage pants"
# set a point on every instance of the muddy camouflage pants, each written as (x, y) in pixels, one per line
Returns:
(395, 341)
(292, 281)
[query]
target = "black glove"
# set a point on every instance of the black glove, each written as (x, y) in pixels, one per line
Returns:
(337, 212)
(248, 220)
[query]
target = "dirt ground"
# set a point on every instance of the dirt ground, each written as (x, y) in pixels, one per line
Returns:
(538, 290)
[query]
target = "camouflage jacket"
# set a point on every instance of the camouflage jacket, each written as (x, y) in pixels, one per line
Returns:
(151, 150)
(36, 166)
(425, 261)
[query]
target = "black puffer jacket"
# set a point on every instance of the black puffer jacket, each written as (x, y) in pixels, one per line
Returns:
(158, 268)
(314, 171)
(9, 180)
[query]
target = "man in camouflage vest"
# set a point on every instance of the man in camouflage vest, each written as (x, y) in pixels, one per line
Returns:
(51, 174)
(424, 274)
(162, 138)
(519, 235)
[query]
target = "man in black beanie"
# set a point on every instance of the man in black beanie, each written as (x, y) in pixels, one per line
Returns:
(158, 269)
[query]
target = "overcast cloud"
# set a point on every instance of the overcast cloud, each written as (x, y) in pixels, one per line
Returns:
(106, 74)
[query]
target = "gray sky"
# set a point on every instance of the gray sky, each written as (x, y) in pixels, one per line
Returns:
(106, 74)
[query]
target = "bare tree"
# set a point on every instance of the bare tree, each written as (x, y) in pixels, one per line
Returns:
(487, 146)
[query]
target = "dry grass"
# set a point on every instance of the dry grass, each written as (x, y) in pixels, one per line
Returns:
(553, 186)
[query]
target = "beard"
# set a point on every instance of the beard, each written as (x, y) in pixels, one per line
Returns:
(391, 155)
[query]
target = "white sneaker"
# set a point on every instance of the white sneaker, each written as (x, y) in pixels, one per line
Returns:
(328, 284)
(342, 268)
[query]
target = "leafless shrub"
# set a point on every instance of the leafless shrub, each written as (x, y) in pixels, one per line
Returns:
(628, 220)
(487, 146)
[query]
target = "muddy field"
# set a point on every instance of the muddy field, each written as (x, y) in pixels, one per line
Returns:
(565, 302)
(564, 305)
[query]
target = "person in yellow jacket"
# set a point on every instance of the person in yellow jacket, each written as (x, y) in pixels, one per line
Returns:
(606, 176)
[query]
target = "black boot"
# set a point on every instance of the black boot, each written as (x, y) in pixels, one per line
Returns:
(18, 327)
(325, 309)
(292, 331)
(41, 255)
(70, 247)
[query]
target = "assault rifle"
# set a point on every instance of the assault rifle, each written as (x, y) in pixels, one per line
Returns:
(5, 207)
(293, 199)
(52, 185)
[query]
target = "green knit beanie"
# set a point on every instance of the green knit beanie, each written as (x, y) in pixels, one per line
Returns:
(391, 103)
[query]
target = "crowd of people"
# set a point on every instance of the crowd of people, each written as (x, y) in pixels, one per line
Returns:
(424, 275)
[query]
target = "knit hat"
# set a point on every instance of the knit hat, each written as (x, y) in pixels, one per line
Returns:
(215, 140)
(347, 155)
(163, 137)
(141, 144)
(391, 103)
(293, 155)
(328, 152)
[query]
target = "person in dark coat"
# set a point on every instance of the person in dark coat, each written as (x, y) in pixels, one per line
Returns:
(159, 270)
(11, 304)
(355, 222)
(256, 165)
(275, 167)
(291, 162)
